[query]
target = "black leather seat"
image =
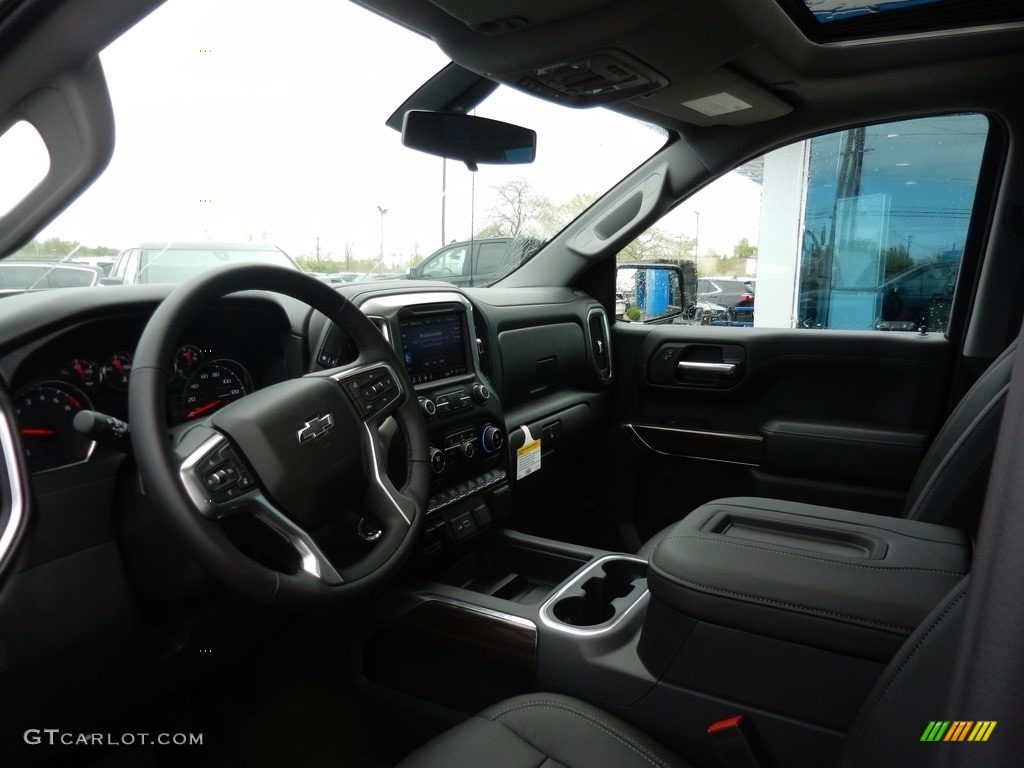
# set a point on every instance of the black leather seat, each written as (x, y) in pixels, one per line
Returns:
(553, 731)
(949, 487)
(546, 730)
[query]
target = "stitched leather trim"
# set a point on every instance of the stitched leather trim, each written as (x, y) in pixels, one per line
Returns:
(712, 540)
(980, 421)
(856, 740)
(770, 601)
(631, 744)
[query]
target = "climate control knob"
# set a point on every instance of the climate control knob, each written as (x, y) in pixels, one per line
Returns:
(427, 406)
(481, 394)
(468, 449)
(492, 438)
(437, 460)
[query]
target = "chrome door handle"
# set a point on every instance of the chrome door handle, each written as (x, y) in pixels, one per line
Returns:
(728, 370)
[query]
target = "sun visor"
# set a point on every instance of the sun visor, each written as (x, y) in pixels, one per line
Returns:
(717, 98)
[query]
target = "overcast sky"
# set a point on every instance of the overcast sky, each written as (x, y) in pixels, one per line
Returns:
(265, 119)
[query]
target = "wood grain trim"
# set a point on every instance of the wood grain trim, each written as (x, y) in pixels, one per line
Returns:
(699, 444)
(510, 640)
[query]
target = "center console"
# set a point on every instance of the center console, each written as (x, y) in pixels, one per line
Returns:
(434, 336)
(783, 613)
(465, 424)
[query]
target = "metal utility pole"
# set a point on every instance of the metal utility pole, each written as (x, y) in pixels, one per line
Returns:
(382, 212)
(696, 235)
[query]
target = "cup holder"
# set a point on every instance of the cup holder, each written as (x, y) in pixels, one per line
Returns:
(600, 592)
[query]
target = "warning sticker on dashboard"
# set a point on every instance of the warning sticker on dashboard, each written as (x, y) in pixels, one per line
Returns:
(527, 457)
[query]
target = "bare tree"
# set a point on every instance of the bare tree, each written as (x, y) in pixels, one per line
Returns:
(517, 212)
(658, 244)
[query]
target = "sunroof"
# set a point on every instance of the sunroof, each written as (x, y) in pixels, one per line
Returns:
(834, 20)
(831, 11)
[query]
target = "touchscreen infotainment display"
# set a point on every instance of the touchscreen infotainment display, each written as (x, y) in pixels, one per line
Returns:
(434, 346)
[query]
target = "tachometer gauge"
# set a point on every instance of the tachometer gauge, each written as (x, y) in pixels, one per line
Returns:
(187, 359)
(117, 369)
(83, 373)
(212, 386)
(44, 413)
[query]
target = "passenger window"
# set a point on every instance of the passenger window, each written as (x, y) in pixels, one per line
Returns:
(863, 229)
(446, 264)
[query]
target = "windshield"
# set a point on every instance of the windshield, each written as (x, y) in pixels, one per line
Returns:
(176, 265)
(221, 137)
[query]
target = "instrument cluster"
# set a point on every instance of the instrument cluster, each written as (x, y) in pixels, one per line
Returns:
(205, 380)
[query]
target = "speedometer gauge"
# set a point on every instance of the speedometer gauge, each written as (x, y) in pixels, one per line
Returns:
(212, 386)
(45, 412)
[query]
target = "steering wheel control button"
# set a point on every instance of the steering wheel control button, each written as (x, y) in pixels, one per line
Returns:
(222, 476)
(219, 478)
(371, 391)
(210, 462)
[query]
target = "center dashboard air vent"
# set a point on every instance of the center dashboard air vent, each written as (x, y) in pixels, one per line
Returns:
(598, 78)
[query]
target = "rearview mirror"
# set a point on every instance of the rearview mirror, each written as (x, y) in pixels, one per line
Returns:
(468, 138)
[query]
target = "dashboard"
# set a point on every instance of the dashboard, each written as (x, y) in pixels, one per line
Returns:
(222, 357)
(490, 370)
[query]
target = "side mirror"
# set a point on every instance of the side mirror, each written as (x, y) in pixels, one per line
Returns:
(110, 281)
(468, 138)
(653, 293)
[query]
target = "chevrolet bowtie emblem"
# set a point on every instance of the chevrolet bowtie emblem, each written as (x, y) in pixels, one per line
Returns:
(315, 428)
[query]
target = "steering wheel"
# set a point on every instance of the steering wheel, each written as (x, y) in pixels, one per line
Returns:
(291, 455)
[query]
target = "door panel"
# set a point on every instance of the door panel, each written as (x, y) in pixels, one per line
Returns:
(836, 418)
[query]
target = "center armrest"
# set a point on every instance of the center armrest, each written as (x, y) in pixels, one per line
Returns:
(844, 581)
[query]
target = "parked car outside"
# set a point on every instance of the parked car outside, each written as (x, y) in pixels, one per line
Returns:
(475, 262)
(176, 262)
(920, 297)
(25, 276)
(103, 263)
(727, 291)
(726, 300)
